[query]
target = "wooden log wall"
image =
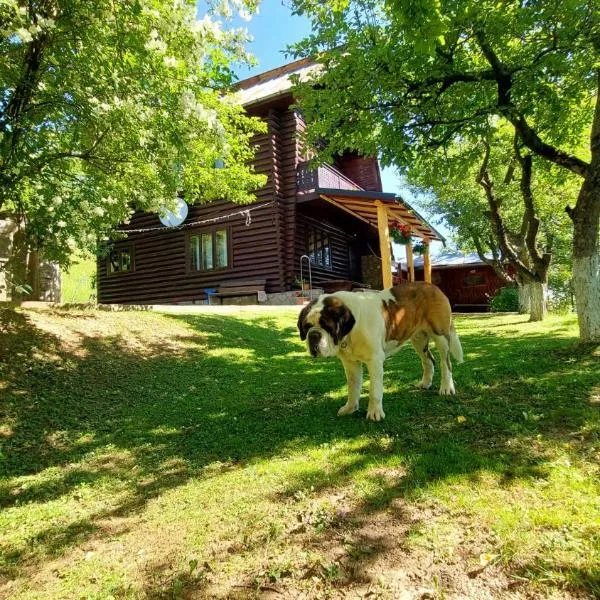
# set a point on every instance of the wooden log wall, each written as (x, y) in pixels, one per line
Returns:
(292, 154)
(339, 244)
(161, 273)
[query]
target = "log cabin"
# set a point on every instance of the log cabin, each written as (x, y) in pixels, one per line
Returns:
(336, 216)
(468, 282)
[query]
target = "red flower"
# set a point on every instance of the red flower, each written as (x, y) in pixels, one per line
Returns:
(400, 233)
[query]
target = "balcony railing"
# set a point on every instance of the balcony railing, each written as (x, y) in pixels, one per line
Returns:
(324, 176)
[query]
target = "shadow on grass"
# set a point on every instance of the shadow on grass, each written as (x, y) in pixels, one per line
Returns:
(230, 391)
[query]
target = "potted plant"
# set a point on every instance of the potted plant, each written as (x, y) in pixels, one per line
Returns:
(300, 284)
(420, 247)
(400, 233)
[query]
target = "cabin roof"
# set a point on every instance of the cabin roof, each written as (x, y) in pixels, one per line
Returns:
(272, 84)
(363, 204)
(451, 260)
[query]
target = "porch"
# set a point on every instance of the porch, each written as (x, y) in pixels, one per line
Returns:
(378, 212)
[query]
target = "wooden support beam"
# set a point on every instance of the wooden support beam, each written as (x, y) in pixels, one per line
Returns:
(384, 244)
(410, 261)
(426, 262)
(350, 212)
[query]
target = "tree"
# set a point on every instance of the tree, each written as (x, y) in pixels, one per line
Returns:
(488, 193)
(109, 106)
(403, 79)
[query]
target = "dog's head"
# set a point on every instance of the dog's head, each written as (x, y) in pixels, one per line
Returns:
(324, 323)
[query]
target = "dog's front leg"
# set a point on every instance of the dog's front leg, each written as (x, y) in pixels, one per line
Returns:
(375, 408)
(354, 374)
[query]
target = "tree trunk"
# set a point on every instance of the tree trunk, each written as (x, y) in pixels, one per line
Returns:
(586, 262)
(16, 266)
(524, 290)
(586, 286)
(538, 295)
(33, 275)
(586, 223)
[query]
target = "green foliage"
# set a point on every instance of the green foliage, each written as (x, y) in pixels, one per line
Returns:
(449, 179)
(420, 247)
(403, 78)
(109, 106)
(506, 299)
(21, 289)
(560, 286)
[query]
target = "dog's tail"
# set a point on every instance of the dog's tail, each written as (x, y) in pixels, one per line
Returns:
(455, 347)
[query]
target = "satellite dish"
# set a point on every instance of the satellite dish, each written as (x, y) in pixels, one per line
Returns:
(175, 217)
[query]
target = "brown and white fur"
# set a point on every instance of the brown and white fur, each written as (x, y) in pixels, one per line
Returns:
(368, 327)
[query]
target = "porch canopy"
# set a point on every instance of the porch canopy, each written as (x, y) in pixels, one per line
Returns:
(380, 210)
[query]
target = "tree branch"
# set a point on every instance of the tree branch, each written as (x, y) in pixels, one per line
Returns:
(507, 109)
(483, 178)
(494, 262)
(86, 155)
(540, 262)
(448, 80)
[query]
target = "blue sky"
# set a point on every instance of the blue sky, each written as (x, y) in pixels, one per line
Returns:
(272, 30)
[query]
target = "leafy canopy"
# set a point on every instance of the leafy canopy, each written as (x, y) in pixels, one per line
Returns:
(109, 106)
(404, 78)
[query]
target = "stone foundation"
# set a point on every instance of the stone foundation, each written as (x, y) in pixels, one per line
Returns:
(292, 297)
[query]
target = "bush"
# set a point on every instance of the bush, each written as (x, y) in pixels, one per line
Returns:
(506, 299)
(560, 297)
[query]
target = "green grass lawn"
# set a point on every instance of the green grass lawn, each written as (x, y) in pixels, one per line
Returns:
(77, 284)
(200, 456)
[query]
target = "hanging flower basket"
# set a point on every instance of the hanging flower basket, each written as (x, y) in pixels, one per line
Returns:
(420, 247)
(400, 233)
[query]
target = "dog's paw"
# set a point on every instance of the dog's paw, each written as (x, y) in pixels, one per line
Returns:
(347, 409)
(447, 389)
(375, 413)
(423, 385)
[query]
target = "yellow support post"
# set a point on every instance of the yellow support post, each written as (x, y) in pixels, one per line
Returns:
(384, 244)
(410, 261)
(426, 262)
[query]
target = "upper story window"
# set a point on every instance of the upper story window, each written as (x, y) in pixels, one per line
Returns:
(319, 249)
(209, 250)
(120, 260)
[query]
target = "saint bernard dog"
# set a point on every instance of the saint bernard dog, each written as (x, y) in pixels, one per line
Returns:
(368, 327)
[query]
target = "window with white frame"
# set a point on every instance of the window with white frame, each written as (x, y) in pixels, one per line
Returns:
(209, 250)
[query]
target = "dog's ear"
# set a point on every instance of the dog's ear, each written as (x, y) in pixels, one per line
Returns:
(336, 318)
(346, 322)
(303, 326)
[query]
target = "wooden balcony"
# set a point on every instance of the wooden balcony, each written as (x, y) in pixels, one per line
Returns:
(324, 177)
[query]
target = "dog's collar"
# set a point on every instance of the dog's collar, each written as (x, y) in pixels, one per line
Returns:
(344, 344)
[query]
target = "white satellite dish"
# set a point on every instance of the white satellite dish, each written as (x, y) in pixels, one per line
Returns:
(173, 218)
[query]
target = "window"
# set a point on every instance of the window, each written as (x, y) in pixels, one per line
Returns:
(209, 250)
(473, 280)
(319, 249)
(120, 260)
